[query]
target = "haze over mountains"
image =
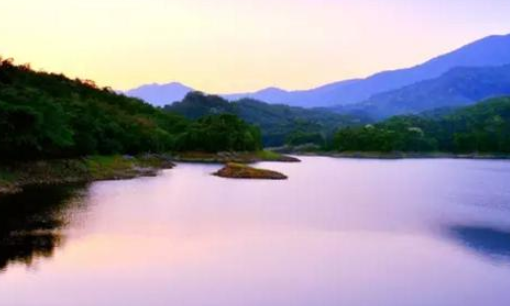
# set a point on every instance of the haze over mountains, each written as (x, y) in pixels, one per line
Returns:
(458, 87)
(489, 51)
(160, 95)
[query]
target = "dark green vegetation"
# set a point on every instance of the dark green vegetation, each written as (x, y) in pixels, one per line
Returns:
(45, 115)
(236, 157)
(223, 132)
(241, 171)
(457, 88)
(279, 124)
(483, 128)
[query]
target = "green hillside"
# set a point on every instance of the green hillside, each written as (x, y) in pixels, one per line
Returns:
(46, 115)
(483, 128)
(279, 124)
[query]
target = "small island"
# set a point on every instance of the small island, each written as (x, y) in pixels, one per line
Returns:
(240, 171)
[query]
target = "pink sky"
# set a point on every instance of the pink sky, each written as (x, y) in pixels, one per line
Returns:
(239, 45)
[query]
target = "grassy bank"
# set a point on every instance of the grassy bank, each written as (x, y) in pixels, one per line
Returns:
(235, 157)
(15, 176)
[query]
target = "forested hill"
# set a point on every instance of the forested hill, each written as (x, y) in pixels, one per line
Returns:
(45, 115)
(280, 124)
(482, 128)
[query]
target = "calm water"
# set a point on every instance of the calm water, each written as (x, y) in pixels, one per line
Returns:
(339, 232)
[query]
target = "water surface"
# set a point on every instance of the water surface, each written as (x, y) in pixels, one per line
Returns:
(338, 232)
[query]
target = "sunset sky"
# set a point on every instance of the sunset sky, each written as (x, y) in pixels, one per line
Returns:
(239, 45)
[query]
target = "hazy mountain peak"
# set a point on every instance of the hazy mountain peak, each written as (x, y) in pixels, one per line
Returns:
(160, 94)
(271, 90)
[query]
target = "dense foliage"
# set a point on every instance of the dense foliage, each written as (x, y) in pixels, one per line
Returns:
(484, 127)
(44, 115)
(280, 124)
(224, 132)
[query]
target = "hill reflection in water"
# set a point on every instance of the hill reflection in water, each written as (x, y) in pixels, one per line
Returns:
(490, 242)
(32, 222)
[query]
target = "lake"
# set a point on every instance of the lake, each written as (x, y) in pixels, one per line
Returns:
(338, 232)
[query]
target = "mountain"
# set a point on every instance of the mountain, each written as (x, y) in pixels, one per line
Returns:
(481, 128)
(271, 95)
(302, 98)
(489, 51)
(160, 94)
(458, 87)
(278, 123)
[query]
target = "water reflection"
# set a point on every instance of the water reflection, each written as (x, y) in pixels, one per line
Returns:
(491, 242)
(31, 223)
(338, 232)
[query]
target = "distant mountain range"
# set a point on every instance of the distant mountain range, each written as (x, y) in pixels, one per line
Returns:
(489, 51)
(458, 87)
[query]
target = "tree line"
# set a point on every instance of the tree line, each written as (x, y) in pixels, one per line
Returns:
(47, 115)
(484, 127)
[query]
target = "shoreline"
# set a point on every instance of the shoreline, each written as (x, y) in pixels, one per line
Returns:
(15, 176)
(233, 157)
(405, 155)
(18, 175)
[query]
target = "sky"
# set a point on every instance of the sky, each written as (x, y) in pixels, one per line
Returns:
(221, 46)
